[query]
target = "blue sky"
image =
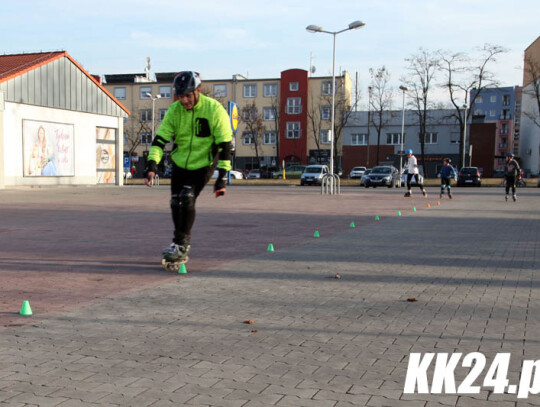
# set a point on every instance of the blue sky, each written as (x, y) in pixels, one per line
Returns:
(259, 39)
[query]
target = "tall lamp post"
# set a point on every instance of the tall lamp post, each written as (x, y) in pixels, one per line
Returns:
(404, 89)
(463, 148)
(370, 91)
(154, 98)
(318, 29)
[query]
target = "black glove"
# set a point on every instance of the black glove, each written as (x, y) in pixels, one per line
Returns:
(219, 186)
(151, 166)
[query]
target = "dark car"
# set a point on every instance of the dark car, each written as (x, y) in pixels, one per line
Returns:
(384, 175)
(469, 176)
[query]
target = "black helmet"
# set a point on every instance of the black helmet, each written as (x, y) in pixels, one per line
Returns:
(186, 82)
(510, 155)
(448, 160)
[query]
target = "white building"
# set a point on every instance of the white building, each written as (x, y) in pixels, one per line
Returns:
(58, 124)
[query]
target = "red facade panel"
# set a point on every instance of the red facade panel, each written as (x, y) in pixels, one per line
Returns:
(293, 149)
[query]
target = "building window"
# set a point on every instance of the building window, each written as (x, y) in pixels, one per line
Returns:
(294, 105)
(270, 90)
(270, 137)
(359, 139)
(504, 128)
(326, 112)
(326, 88)
(479, 99)
(165, 92)
(293, 86)
(145, 137)
(161, 114)
(247, 138)
(120, 93)
(393, 138)
(145, 115)
(325, 137)
(492, 113)
(220, 90)
(143, 90)
(430, 138)
(250, 90)
(493, 98)
(478, 112)
(269, 113)
(506, 100)
(293, 130)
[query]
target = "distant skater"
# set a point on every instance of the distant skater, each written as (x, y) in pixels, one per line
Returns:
(412, 167)
(512, 174)
(446, 174)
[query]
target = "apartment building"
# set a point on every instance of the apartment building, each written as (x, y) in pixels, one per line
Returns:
(363, 145)
(501, 106)
(285, 119)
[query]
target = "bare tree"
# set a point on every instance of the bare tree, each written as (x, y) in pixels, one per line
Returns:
(315, 119)
(254, 125)
(274, 104)
(422, 68)
(380, 102)
(463, 75)
(532, 71)
(342, 112)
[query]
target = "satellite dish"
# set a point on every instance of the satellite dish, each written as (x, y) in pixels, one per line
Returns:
(313, 69)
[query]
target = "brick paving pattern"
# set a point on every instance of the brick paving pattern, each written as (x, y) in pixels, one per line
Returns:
(112, 328)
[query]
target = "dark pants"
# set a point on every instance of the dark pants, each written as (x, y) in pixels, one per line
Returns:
(410, 177)
(445, 183)
(186, 185)
(510, 183)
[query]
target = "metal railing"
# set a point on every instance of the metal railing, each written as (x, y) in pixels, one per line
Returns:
(330, 184)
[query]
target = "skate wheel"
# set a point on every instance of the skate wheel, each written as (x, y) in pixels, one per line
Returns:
(173, 265)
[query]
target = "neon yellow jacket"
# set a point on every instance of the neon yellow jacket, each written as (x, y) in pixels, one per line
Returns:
(196, 133)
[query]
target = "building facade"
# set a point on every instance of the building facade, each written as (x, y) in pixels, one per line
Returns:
(361, 140)
(501, 106)
(58, 124)
(529, 149)
(283, 120)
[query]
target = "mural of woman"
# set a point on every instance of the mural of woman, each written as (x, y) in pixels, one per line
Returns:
(45, 153)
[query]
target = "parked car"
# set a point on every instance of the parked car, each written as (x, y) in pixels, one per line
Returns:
(313, 174)
(413, 180)
(254, 174)
(234, 174)
(363, 179)
(291, 172)
(469, 176)
(384, 175)
(357, 172)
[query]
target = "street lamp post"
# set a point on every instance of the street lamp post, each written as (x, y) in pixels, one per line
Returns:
(370, 91)
(404, 89)
(464, 146)
(318, 29)
(154, 98)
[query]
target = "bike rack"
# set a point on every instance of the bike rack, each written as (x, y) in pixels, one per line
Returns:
(330, 184)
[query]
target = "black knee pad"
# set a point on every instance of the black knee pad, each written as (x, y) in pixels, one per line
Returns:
(187, 197)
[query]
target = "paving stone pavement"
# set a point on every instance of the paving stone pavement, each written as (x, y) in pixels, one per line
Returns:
(471, 264)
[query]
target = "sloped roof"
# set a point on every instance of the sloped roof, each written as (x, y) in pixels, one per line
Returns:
(15, 65)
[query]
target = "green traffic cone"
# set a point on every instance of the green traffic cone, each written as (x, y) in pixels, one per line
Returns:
(270, 247)
(352, 225)
(25, 309)
(414, 209)
(377, 217)
(316, 234)
(182, 269)
(398, 213)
